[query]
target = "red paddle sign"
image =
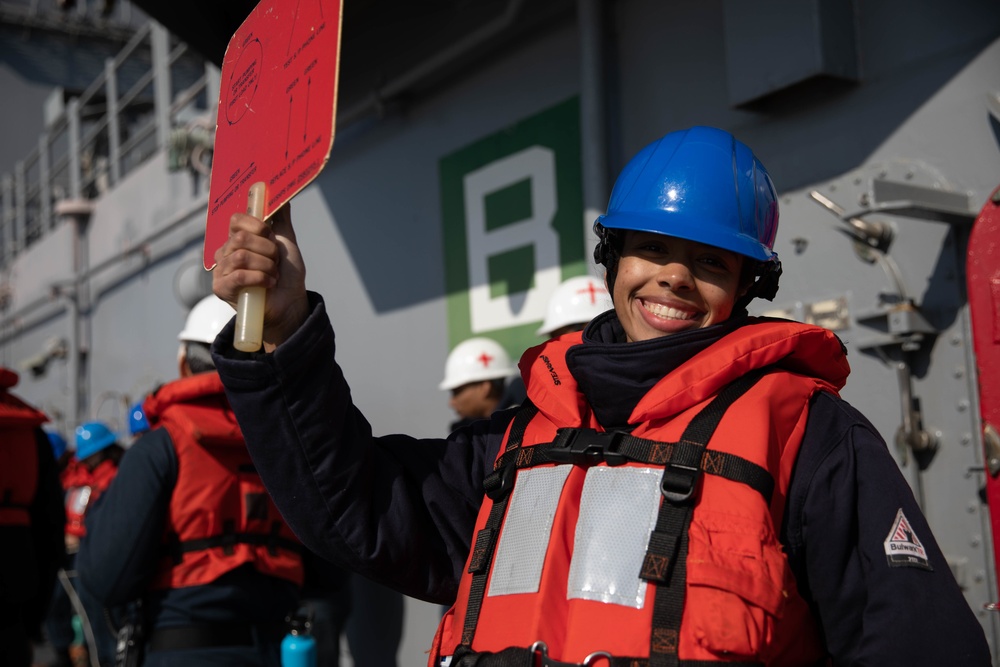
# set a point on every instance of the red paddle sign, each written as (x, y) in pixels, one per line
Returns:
(277, 108)
(982, 277)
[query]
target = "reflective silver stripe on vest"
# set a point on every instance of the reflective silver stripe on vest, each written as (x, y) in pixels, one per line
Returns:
(524, 538)
(617, 513)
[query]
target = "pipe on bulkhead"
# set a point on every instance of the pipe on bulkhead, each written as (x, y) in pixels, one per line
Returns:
(593, 109)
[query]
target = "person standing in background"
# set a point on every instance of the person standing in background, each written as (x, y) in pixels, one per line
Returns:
(476, 373)
(87, 475)
(31, 524)
(188, 529)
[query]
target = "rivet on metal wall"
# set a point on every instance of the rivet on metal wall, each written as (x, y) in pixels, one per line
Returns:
(959, 371)
(963, 405)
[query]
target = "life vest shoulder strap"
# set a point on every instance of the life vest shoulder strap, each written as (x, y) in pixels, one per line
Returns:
(665, 562)
(485, 545)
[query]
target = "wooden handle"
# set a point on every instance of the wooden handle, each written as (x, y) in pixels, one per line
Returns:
(250, 304)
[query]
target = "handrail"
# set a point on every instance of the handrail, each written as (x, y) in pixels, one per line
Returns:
(50, 172)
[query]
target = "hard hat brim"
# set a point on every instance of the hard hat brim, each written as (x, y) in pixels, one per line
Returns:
(447, 385)
(683, 227)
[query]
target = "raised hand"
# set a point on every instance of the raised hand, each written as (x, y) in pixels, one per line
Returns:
(266, 255)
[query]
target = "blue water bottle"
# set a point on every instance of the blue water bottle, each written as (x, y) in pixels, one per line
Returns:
(298, 648)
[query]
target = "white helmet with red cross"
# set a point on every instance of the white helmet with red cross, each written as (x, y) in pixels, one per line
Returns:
(576, 301)
(474, 360)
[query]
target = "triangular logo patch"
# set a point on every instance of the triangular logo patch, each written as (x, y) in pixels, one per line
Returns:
(903, 548)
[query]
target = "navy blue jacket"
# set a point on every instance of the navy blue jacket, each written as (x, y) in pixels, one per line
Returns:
(402, 511)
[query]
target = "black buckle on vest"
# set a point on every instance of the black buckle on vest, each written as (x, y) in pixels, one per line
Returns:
(678, 482)
(586, 447)
(500, 482)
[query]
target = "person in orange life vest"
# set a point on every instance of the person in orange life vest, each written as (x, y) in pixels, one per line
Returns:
(684, 484)
(476, 373)
(85, 473)
(31, 524)
(89, 471)
(97, 457)
(58, 621)
(188, 528)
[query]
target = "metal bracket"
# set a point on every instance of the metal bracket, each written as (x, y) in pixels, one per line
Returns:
(918, 201)
(991, 444)
(902, 324)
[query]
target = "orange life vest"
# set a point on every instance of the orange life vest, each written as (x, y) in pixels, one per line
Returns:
(83, 488)
(220, 516)
(706, 578)
(18, 454)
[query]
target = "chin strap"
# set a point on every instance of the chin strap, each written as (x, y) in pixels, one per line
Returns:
(766, 285)
(607, 252)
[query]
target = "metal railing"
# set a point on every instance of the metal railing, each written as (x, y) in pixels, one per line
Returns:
(104, 133)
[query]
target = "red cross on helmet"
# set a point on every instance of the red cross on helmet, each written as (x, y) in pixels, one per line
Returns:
(474, 360)
(576, 301)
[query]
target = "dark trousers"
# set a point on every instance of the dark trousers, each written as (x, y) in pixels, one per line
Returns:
(371, 617)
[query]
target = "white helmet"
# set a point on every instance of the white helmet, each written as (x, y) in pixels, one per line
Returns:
(576, 301)
(474, 360)
(206, 320)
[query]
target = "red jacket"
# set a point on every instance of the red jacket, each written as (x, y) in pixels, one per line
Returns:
(220, 516)
(18, 454)
(579, 556)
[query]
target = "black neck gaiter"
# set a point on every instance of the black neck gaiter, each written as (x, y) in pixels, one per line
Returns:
(614, 375)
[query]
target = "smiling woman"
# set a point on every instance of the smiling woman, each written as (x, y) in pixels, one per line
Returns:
(682, 485)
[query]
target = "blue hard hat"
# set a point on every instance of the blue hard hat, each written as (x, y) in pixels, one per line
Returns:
(700, 184)
(92, 437)
(137, 421)
(57, 442)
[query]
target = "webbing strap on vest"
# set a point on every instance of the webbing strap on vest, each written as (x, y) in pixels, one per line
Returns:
(665, 564)
(482, 551)
(229, 539)
(586, 446)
